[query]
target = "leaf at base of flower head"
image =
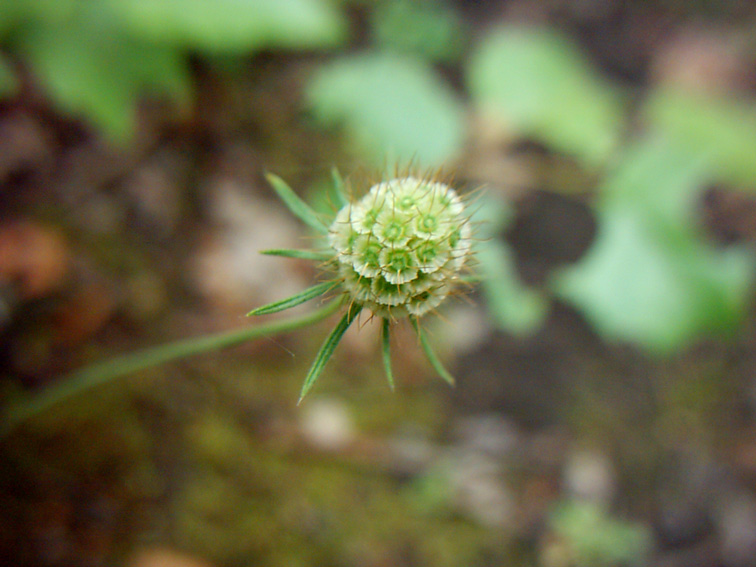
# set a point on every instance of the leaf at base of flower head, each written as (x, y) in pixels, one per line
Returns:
(299, 254)
(294, 300)
(329, 346)
(386, 352)
(297, 206)
(431, 355)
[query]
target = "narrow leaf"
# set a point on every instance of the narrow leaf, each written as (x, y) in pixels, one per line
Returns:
(326, 351)
(294, 300)
(432, 358)
(300, 254)
(338, 192)
(385, 343)
(296, 205)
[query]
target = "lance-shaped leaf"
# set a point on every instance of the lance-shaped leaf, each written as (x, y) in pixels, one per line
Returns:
(300, 254)
(329, 346)
(431, 355)
(386, 351)
(294, 300)
(296, 205)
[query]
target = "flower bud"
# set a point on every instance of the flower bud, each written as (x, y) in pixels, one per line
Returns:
(401, 247)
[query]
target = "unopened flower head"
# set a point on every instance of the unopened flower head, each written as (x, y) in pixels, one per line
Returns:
(397, 252)
(401, 248)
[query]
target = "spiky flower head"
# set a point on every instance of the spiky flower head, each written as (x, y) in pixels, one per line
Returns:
(401, 247)
(398, 252)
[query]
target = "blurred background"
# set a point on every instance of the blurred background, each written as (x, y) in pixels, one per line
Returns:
(605, 408)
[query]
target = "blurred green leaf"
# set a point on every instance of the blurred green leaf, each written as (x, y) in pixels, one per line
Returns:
(101, 75)
(491, 214)
(16, 13)
(426, 28)
(650, 277)
(660, 181)
(537, 83)
(234, 25)
(514, 307)
(595, 539)
(98, 58)
(394, 107)
(635, 285)
(9, 12)
(720, 130)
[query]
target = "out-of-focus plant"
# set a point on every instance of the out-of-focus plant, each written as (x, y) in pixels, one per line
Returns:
(583, 534)
(536, 83)
(97, 58)
(651, 277)
(430, 29)
(714, 130)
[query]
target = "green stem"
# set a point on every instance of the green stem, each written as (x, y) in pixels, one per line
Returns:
(102, 372)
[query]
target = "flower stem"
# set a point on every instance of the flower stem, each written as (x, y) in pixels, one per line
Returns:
(99, 373)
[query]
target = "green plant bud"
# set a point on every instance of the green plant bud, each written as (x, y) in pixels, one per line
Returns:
(402, 246)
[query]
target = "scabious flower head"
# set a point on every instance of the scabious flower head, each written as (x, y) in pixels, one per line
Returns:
(401, 247)
(398, 252)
